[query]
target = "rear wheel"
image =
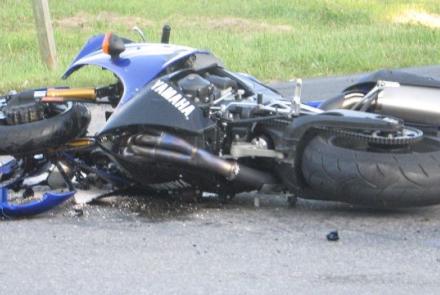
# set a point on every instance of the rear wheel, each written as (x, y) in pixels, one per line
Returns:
(353, 171)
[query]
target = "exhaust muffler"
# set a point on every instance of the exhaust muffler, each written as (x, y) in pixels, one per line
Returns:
(168, 148)
(410, 103)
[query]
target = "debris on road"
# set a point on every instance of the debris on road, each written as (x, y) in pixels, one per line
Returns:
(77, 211)
(333, 236)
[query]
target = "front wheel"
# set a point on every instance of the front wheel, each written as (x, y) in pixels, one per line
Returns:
(60, 124)
(344, 169)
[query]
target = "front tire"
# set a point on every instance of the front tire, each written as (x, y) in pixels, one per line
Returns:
(341, 169)
(40, 135)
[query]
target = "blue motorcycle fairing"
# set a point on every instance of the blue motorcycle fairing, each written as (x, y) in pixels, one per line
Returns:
(152, 109)
(93, 44)
(313, 103)
(8, 166)
(136, 66)
(49, 201)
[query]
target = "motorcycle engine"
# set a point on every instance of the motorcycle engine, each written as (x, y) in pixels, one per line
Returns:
(195, 87)
(205, 89)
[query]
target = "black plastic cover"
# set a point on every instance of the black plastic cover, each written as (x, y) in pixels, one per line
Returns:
(222, 82)
(400, 76)
(195, 86)
(153, 106)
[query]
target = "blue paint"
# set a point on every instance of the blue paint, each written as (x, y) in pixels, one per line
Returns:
(4, 195)
(92, 45)
(49, 201)
(8, 168)
(315, 103)
(139, 64)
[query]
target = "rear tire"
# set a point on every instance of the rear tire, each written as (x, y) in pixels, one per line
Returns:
(340, 169)
(40, 135)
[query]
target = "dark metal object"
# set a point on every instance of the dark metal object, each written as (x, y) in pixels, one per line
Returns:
(333, 236)
(415, 99)
(259, 98)
(195, 86)
(406, 136)
(410, 103)
(166, 31)
(175, 150)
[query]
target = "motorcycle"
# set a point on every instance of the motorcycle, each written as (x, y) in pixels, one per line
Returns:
(182, 123)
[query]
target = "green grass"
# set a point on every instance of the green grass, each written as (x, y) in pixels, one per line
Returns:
(273, 40)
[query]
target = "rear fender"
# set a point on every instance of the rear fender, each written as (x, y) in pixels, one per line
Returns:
(368, 81)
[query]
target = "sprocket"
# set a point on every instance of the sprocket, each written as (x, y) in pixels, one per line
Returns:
(406, 136)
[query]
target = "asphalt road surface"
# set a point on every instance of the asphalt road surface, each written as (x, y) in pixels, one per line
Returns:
(145, 245)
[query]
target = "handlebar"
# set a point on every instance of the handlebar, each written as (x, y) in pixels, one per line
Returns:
(63, 95)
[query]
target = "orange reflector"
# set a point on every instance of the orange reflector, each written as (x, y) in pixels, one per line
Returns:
(106, 43)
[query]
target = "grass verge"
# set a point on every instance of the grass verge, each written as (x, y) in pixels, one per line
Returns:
(273, 40)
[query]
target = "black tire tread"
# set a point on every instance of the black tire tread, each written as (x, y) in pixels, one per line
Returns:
(40, 135)
(388, 180)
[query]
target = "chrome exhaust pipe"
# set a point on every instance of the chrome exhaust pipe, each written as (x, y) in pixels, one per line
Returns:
(171, 149)
(410, 103)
